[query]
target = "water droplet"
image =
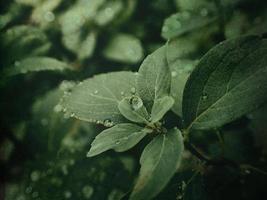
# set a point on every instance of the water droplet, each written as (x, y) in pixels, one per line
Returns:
(56, 181)
(87, 191)
(165, 29)
(186, 15)
(130, 52)
(136, 102)
(108, 123)
(17, 63)
(204, 12)
(72, 162)
(49, 16)
(28, 190)
(67, 194)
(96, 92)
(44, 122)
(109, 12)
(122, 93)
(58, 108)
(174, 73)
(64, 169)
(204, 97)
(35, 194)
(133, 90)
(35, 175)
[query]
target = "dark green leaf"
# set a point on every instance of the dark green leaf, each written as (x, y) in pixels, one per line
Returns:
(159, 162)
(120, 138)
(229, 81)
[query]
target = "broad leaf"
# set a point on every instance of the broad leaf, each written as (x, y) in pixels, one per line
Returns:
(120, 138)
(154, 77)
(180, 71)
(159, 162)
(96, 99)
(133, 109)
(35, 64)
(124, 48)
(183, 22)
(229, 81)
(160, 107)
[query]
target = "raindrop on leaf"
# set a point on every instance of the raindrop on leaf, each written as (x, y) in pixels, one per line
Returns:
(136, 102)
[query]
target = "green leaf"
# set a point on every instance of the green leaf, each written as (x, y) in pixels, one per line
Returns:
(96, 99)
(133, 109)
(229, 81)
(20, 42)
(120, 138)
(181, 48)
(180, 71)
(43, 13)
(124, 48)
(36, 64)
(108, 12)
(154, 77)
(184, 22)
(159, 162)
(160, 107)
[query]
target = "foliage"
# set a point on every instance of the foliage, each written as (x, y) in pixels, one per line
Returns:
(176, 88)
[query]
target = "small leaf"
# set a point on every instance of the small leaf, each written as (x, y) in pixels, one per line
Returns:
(154, 78)
(124, 48)
(120, 138)
(133, 109)
(108, 12)
(36, 64)
(229, 81)
(160, 107)
(183, 22)
(159, 162)
(96, 99)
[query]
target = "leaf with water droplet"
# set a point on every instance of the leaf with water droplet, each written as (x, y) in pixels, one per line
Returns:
(160, 107)
(133, 109)
(120, 137)
(224, 85)
(159, 162)
(154, 78)
(92, 106)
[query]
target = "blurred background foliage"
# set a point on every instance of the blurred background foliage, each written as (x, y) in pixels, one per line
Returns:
(49, 46)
